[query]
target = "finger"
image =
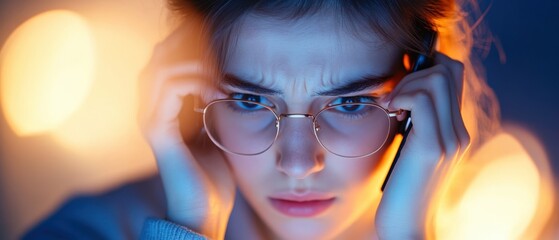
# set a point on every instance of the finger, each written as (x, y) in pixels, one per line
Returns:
(185, 184)
(401, 206)
(453, 71)
(446, 109)
(150, 87)
(412, 77)
(163, 124)
(426, 127)
(456, 68)
(436, 119)
(433, 143)
(183, 178)
(440, 82)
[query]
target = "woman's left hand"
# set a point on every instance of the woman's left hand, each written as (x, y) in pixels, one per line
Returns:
(437, 140)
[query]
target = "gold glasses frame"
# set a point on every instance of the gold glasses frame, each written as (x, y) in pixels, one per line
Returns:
(281, 116)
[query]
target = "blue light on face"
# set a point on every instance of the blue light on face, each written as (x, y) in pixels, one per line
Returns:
(247, 99)
(248, 106)
(348, 107)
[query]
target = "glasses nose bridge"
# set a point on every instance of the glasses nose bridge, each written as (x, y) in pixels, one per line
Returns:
(296, 132)
(296, 116)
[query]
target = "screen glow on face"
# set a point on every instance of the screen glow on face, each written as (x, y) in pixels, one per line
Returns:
(302, 67)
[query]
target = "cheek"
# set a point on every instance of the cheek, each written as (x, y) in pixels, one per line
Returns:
(355, 176)
(354, 169)
(358, 184)
(244, 168)
(362, 178)
(252, 173)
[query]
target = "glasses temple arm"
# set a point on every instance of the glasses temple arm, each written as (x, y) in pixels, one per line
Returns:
(396, 113)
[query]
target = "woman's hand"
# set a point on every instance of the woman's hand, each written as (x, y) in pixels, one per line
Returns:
(198, 185)
(437, 140)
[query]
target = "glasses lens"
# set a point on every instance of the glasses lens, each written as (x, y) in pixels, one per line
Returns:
(241, 127)
(353, 130)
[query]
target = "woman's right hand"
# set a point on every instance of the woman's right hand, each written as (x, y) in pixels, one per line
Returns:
(198, 185)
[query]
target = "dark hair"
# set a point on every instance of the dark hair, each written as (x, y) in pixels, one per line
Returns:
(402, 22)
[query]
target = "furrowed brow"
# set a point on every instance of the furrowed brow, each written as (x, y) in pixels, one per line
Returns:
(237, 82)
(361, 84)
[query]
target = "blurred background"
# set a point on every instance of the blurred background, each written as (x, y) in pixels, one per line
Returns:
(74, 131)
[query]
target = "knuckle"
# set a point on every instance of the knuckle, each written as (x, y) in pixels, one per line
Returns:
(439, 68)
(458, 71)
(437, 79)
(167, 84)
(422, 96)
(457, 65)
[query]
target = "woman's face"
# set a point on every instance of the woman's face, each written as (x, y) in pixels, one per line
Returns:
(299, 189)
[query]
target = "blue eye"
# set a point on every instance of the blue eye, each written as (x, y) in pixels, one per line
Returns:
(247, 99)
(348, 107)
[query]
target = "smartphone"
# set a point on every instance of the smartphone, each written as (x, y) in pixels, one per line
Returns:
(420, 62)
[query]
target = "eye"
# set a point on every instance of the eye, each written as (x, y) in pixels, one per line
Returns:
(351, 104)
(247, 104)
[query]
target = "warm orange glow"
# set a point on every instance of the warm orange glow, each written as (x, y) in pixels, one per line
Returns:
(406, 62)
(382, 169)
(96, 143)
(46, 71)
(107, 118)
(502, 192)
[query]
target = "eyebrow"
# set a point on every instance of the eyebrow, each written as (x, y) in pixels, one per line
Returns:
(366, 82)
(361, 84)
(235, 81)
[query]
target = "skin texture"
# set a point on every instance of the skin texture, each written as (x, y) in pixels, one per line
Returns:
(299, 58)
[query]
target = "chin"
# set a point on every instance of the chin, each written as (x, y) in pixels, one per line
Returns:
(338, 221)
(303, 229)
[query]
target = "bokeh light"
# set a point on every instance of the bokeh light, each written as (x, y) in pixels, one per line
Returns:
(47, 66)
(107, 118)
(508, 197)
(93, 143)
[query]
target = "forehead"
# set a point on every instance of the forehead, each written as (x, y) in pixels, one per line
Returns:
(317, 48)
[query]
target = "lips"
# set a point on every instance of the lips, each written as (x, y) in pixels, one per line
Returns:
(301, 205)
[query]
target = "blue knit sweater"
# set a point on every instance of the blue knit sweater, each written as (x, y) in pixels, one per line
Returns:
(134, 211)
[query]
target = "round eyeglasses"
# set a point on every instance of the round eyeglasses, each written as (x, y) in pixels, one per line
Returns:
(350, 130)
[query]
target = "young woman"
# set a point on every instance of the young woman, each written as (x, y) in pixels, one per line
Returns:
(302, 102)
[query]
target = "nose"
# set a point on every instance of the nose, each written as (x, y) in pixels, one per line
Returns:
(300, 154)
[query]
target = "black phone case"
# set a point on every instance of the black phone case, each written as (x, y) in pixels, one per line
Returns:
(420, 62)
